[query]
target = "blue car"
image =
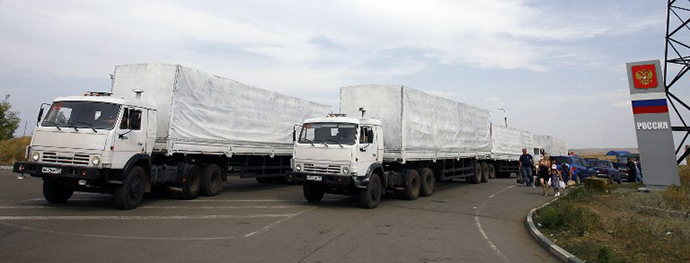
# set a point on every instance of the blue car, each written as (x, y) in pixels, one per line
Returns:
(579, 167)
(605, 168)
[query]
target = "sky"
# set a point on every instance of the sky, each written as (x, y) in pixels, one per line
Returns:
(557, 67)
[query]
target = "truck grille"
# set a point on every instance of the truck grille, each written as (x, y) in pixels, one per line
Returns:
(330, 169)
(51, 157)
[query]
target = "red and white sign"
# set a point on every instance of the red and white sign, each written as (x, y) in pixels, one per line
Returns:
(644, 76)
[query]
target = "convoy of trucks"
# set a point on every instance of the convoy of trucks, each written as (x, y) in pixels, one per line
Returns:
(164, 127)
(169, 127)
(411, 140)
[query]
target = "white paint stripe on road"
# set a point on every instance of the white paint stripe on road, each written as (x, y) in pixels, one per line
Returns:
(481, 230)
(15, 218)
(249, 200)
(277, 222)
(166, 207)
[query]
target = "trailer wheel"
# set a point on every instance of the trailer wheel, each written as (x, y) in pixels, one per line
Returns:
(428, 182)
(477, 177)
(485, 172)
(211, 182)
(56, 192)
(313, 194)
(190, 184)
(370, 197)
(129, 194)
(412, 185)
(492, 171)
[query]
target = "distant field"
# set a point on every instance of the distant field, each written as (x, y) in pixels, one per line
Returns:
(13, 150)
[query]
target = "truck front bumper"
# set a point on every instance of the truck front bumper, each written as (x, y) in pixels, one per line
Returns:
(336, 181)
(56, 170)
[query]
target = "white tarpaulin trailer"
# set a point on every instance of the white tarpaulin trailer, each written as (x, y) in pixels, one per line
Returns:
(204, 113)
(419, 125)
(552, 146)
(507, 143)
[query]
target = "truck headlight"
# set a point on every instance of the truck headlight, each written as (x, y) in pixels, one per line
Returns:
(346, 169)
(298, 167)
(35, 156)
(96, 160)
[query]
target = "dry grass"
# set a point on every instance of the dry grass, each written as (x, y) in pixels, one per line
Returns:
(684, 173)
(13, 149)
(616, 227)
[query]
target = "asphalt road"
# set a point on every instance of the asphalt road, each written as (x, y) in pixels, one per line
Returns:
(251, 222)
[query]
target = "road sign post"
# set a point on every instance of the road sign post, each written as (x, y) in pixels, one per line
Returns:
(652, 124)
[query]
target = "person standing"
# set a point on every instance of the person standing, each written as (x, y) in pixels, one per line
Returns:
(526, 167)
(632, 170)
(543, 172)
(556, 180)
(566, 173)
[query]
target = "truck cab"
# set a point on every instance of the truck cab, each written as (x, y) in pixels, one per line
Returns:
(337, 154)
(85, 142)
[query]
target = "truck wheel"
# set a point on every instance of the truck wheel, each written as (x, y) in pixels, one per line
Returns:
(211, 182)
(412, 185)
(492, 171)
(370, 197)
(428, 182)
(191, 184)
(56, 192)
(485, 172)
(313, 194)
(129, 194)
(477, 177)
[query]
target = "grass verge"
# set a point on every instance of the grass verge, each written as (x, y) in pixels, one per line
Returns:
(13, 149)
(617, 227)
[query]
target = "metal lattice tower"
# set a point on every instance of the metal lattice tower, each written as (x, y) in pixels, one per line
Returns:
(676, 64)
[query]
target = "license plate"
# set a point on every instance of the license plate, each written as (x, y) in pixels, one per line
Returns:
(51, 170)
(314, 178)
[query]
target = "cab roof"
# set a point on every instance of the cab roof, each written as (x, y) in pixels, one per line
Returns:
(107, 99)
(340, 119)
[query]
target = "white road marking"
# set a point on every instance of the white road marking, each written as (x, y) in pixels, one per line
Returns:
(481, 230)
(277, 222)
(165, 207)
(15, 218)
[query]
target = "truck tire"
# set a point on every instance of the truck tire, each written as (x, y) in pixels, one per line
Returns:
(370, 197)
(412, 185)
(312, 193)
(56, 192)
(129, 194)
(428, 182)
(492, 171)
(211, 181)
(477, 177)
(485, 172)
(190, 184)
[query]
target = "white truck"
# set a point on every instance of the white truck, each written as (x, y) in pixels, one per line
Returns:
(411, 140)
(163, 127)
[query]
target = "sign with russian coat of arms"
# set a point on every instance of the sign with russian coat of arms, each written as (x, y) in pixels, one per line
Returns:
(652, 124)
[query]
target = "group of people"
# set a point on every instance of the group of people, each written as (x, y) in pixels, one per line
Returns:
(547, 172)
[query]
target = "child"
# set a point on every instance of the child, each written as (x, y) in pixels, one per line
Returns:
(556, 179)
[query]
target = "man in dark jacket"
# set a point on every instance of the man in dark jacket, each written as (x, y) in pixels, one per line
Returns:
(526, 167)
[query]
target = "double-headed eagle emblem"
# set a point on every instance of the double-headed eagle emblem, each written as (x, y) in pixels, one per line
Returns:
(645, 76)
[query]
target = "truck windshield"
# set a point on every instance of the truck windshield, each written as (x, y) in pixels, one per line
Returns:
(82, 114)
(336, 133)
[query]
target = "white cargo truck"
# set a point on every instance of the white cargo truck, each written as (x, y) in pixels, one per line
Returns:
(411, 139)
(163, 127)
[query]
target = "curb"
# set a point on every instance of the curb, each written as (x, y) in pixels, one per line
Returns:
(546, 243)
(6, 167)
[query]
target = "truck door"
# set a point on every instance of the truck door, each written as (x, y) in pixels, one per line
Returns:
(367, 152)
(130, 137)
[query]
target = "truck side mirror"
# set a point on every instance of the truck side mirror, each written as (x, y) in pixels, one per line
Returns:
(294, 132)
(40, 114)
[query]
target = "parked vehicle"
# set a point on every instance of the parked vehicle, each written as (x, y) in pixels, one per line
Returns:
(580, 167)
(163, 126)
(412, 139)
(623, 168)
(604, 168)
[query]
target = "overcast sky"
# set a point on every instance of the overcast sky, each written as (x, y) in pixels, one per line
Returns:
(556, 66)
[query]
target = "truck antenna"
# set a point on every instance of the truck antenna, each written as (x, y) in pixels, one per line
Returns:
(363, 110)
(138, 92)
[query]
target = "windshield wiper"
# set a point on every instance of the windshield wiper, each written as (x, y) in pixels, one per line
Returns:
(56, 124)
(88, 124)
(341, 146)
(72, 126)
